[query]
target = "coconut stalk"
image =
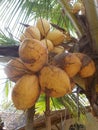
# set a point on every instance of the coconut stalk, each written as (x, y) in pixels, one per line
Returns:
(30, 118)
(47, 112)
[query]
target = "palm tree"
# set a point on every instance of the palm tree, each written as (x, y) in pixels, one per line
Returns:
(15, 15)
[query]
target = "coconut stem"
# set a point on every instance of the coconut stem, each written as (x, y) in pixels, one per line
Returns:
(47, 112)
(30, 118)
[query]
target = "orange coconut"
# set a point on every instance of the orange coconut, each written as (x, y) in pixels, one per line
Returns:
(55, 81)
(56, 36)
(25, 92)
(69, 62)
(88, 66)
(31, 32)
(44, 26)
(34, 54)
(48, 44)
(15, 69)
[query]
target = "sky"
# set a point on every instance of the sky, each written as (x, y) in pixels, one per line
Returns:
(3, 79)
(2, 82)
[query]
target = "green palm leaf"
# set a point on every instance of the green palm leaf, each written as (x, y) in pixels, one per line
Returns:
(7, 40)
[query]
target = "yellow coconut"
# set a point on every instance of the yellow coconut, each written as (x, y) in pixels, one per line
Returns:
(15, 69)
(58, 94)
(88, 66)
(25, 92)
(44, 26)
(69, 62)
(54, 81)
(34, 54)
(56, 36)
(32, 32)
(58, 49)
(77, 7)
(48, 44)
(88, 70)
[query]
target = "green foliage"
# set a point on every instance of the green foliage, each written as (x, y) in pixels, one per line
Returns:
(13, 12)
(55, 104)
(75, 106)
(68, 101)
(6, 40)
(21, 11)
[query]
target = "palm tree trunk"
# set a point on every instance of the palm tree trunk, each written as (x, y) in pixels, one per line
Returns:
(91, 9)
(11, 51)
(92, 17)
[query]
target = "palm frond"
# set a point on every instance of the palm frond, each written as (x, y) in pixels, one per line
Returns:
(13, 12)
(7, 40)
(68, 101)
(77, 110)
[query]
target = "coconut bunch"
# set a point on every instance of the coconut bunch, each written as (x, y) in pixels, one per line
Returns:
(34, 73)
(78, 66)
(75, 63)
(51, 37)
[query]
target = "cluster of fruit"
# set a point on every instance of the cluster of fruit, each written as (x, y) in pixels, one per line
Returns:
(34, 73)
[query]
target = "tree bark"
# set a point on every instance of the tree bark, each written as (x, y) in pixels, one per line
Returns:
(92, 17)
(11, 51)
